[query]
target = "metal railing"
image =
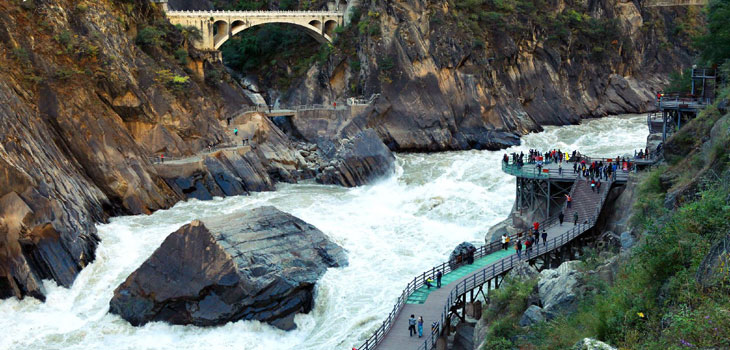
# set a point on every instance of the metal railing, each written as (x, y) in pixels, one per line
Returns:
(503, 265)
(419, 281)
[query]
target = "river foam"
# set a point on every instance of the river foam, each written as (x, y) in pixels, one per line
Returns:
(392, 230)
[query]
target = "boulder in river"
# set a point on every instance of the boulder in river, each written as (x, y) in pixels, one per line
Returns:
(260, 264)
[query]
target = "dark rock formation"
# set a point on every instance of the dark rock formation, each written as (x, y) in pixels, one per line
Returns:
(460, 254)
(258, 265)
(715, 266)
(357, 161)
(463, 337)
(534, 314)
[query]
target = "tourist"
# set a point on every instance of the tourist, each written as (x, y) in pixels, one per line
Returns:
(504, 241)
(575, 168)
(470, 255)
(575, 218)
(162, 158)
(537, 237)
(544, 237)
(235, 131)
(438, 279)
(569, 199)
(561, 217)
(536, 225)
(420, 326)
(429, 282)
(560, 169)
(593, 185)
(528, 245)
(518, 248)
(412, 325)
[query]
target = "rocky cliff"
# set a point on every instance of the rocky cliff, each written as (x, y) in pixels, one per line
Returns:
(91, 94)
(476, 74)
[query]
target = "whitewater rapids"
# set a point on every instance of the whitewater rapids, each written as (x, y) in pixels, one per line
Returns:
(393, 229)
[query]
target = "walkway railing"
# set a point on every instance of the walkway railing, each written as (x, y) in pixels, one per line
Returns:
(504, 265)
(419, 281)
(161, 158)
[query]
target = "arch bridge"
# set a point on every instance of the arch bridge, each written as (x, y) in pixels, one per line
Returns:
(216, 27)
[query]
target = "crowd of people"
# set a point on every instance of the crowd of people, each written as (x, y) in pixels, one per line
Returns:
(585, 167)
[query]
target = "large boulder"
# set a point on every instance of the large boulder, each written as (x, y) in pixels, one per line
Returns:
(560, 288)
(261, 265)
(460, 253)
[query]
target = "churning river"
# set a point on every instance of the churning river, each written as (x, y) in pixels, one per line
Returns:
(393, 229)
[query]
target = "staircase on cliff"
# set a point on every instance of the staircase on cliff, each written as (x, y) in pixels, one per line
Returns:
(585, 201)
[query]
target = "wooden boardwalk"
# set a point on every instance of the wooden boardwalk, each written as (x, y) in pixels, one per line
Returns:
(394, 335)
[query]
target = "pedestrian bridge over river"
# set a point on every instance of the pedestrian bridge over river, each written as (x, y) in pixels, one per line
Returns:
(462, 283)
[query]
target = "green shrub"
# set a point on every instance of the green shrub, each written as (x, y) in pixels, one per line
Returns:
(150, 37)
(174, 82)
(181, 55)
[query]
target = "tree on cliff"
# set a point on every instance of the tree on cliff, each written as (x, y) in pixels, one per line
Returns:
(715, 44)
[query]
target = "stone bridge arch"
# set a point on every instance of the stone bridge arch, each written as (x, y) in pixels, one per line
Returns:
(217, 27)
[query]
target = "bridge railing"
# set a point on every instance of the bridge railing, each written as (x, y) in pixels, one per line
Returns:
(213, 13)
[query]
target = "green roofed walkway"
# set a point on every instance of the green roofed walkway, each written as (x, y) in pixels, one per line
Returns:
(421, 294)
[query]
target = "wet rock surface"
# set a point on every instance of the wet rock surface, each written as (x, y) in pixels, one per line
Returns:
(258, 265)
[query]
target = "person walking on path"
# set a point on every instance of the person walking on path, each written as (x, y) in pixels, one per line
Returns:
(544, 237)
(575, 218)
(560, 169)
(528, 245)
(569, 199)
(504, 241)
(235, 131)
(506, 245)
(420, 326)
(561, 217)
(518, 248)
(412, 325)
(438, 279)
(537, 237)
